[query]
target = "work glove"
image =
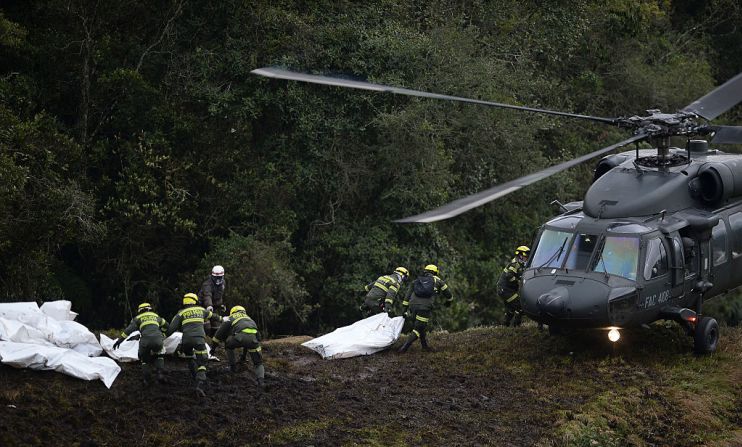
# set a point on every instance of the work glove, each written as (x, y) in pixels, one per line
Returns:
(222, 308)
(136, 337)
(117, 343)
(210, 308)
(407, 313)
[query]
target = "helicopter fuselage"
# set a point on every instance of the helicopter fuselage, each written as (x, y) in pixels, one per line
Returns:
(647, 243)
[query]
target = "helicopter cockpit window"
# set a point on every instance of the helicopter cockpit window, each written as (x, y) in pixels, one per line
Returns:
(552, 246)
(579, 254)
(619, 256)
(719, 243)
(656, 262)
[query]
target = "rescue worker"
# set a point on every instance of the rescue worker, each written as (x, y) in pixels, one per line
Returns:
(420, 301)
(240, 331)
(380, 293)
(509, 283)
(151, 327)
(190, 321)
(212, 294)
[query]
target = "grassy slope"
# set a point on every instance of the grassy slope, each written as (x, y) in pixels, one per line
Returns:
(484, 386)
(646, 390)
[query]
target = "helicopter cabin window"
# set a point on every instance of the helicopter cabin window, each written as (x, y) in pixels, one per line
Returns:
(656, 262)
(619, 256)
(552, 246)
(719, 243)
(579, 254)
(735, 222)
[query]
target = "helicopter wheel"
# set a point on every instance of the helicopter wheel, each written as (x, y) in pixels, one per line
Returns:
(706, 336)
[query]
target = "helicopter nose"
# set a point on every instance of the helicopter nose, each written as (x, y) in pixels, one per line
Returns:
(563, 300)
(554, 302)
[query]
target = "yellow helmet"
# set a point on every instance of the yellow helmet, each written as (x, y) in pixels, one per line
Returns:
(236, 309)
(431, 268)
(522, 250)
(144, 307)
(402, 271)
(190, 298)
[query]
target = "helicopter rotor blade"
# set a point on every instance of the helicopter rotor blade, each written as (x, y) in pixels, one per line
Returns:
(719, 100)
(727, 134)
(278, 73)
(472, 201)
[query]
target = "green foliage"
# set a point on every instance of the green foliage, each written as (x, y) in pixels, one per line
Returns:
(261, 277)
(136, 147)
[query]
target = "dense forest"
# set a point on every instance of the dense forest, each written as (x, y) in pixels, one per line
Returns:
(137, 150)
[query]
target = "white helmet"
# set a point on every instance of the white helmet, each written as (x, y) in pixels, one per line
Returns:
(218, 270)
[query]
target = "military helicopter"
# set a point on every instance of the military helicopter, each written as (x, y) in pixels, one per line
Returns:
(659, 230)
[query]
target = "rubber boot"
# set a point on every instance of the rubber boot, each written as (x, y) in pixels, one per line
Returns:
(260, 375)
(233, 367)
(159, 367)
(424, 343)
(146, 373)
(518, 319)
(192, 367)
(200, 387)
(410, 340)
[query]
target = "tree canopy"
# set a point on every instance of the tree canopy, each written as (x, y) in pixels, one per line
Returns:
(137, 150)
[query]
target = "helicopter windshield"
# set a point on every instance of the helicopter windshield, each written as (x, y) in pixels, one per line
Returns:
(582, 249)
(551, 248)
(619, 256)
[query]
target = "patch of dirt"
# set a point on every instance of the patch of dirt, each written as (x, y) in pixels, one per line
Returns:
(480, 387)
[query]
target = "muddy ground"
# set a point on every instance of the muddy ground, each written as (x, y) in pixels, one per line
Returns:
(487, 386)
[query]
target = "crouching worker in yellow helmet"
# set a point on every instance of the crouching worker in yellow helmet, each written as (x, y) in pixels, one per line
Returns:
(151, 327)
(509, 284)
(380, 293)
(190, 321)
(240, 331)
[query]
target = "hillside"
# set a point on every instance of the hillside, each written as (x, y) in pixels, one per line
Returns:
(484, 386)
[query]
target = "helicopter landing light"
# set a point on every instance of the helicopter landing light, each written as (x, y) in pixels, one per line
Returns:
(614, 335)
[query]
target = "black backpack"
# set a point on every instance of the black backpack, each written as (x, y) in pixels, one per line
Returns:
(424, 286)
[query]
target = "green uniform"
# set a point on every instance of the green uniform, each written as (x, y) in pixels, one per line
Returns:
(381, 293)
(151, 327)
(421, 309)
(190, 321)
(507, 289)
(240, 331)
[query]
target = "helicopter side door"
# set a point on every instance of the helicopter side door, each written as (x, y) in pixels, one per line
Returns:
(720, 263)
(735, 237)
(655, 273)
(680, 287)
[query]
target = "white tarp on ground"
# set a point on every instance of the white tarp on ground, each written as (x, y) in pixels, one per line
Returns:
(363, 337)
(47, 338)
(128, 350)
